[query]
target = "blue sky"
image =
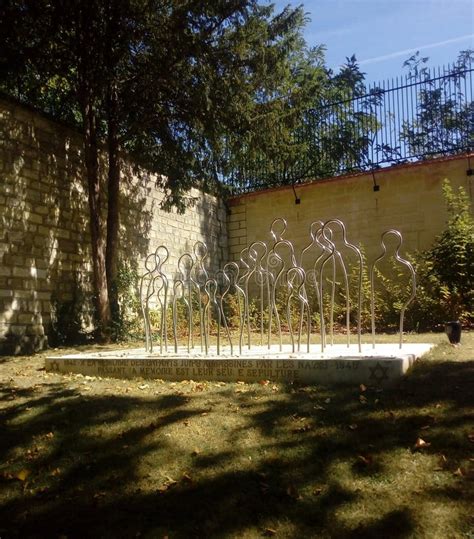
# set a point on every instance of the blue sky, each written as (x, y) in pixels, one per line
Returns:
(384, 33)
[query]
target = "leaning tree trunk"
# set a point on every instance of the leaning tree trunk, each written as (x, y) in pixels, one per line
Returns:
(98, 239)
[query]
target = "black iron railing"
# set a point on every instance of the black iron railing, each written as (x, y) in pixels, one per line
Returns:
(407, 119)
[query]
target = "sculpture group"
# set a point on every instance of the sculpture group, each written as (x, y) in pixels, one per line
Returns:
(306, 279)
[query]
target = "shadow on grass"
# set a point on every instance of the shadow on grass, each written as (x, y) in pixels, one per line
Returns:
(94, 461)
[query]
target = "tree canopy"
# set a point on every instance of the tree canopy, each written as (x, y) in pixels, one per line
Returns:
(190, 89)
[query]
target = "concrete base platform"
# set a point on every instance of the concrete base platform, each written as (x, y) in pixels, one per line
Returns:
(382, 366)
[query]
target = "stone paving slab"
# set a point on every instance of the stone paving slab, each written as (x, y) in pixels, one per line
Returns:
(382, 366)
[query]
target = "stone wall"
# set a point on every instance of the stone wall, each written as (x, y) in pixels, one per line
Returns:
(409, 199)
(45, 268)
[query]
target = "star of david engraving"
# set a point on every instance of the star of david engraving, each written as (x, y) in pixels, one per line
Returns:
(378, 373)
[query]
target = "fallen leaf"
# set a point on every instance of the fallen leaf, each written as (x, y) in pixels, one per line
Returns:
(442, 463)
(143, 386)
(425, 427)
(366, 460)
(264, 382)
(55, 472)
(269, 532)
(187, 478)
(317, 491)
(421, 444)
(304, 428)
(328, 400)
(49, 435)
(275, 388)
(22, 474)
(353, 426)
(459, 472)
(362, 399)
(166, 486)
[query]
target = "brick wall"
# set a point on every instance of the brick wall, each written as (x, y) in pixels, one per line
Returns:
(410, 199)
(45, 268)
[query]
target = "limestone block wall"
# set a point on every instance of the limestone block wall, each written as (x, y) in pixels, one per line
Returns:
(409, 199)
(45, 269)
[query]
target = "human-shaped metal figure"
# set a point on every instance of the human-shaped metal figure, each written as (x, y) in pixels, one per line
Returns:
(311, 274)
(279, 280)
(162, 255)
(295, 278)
(231, 278)
(146, 292)
(407, 264)
(210, 289)
(257, 252)
(178, 285)
(185, 267)
(201, 276)
(336, 253)
(243, 283)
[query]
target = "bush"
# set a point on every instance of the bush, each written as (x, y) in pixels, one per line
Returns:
(445, 272)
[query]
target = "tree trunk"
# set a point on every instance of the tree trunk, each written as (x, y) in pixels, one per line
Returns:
(113, 208)
(98, 240)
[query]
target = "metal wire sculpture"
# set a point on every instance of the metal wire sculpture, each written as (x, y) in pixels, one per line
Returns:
(255, 286)
(411, 270)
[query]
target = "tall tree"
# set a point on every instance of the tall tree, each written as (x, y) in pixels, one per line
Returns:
(182, 85)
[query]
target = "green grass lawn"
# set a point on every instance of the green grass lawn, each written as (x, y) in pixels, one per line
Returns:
(90, 457)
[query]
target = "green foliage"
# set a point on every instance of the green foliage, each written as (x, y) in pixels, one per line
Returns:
(127, 321)
(445, 274)
(451, 260)
(70, 319)
(443, 120)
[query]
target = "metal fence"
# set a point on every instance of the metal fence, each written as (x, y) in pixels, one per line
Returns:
(405, 119)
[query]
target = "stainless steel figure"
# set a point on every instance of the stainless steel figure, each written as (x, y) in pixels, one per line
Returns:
(244, 281)
(337, 253)
(178, 284)
(146, 292)
(311, 274)
(402, 261)
(257, 252)
(185, 267)
(229, 280)
(297, 291)
(210, 288)
(200, 278)
(162, 294)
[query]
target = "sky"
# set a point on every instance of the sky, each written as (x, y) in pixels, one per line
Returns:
(384, 33)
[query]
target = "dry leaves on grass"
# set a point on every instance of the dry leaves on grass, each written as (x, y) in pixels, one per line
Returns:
(421, 444)
(22, 474)
(365, 460)
(269, 532)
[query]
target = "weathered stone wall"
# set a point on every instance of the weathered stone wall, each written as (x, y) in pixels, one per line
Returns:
(409, 199)
(45, 269)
